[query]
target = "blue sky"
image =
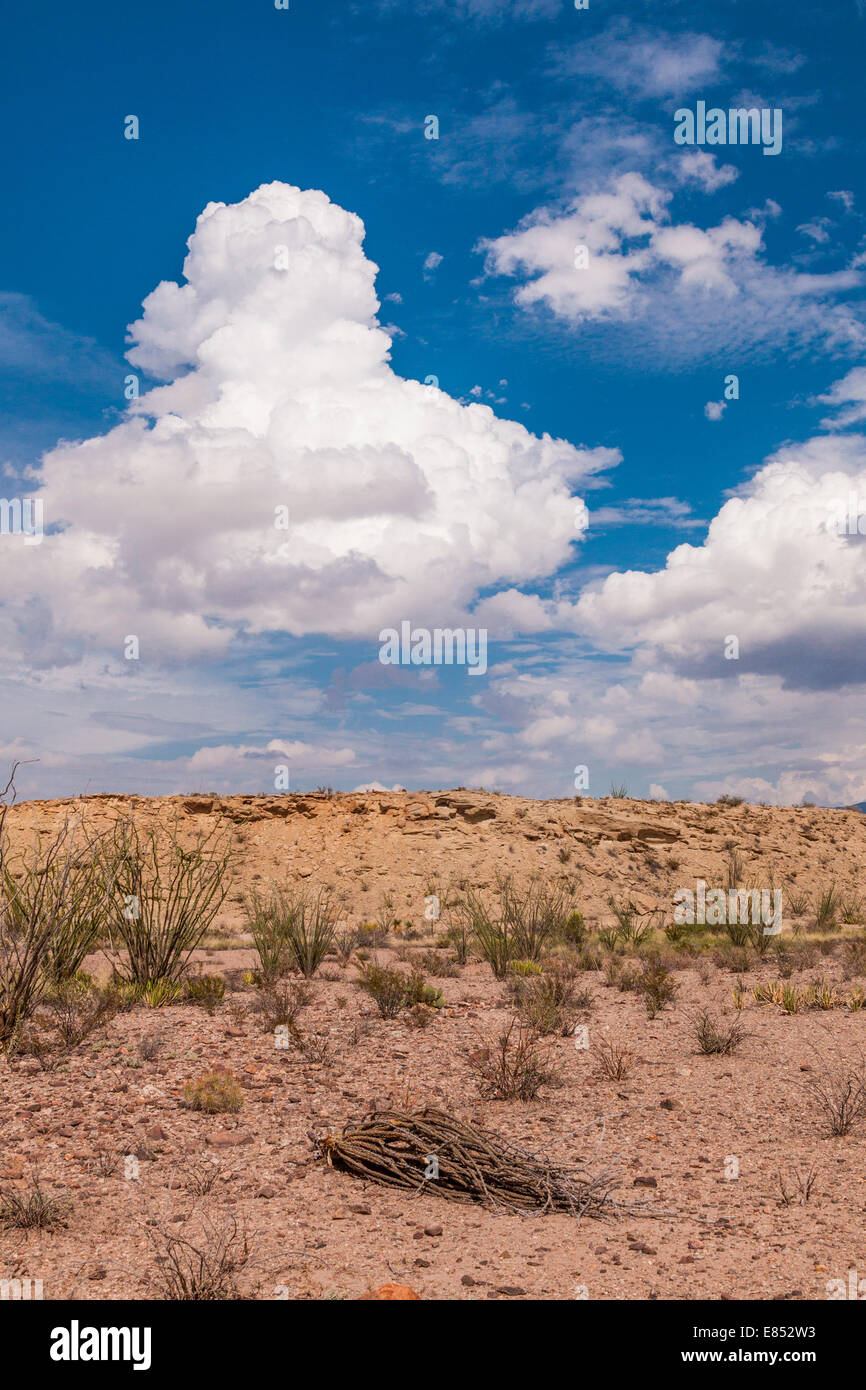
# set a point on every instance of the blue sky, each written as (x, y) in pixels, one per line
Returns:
(554, 125)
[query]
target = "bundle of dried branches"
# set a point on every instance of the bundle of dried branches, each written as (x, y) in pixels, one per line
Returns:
(429, 1149)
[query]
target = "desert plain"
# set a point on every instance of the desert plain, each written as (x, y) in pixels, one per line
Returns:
(726, 1179)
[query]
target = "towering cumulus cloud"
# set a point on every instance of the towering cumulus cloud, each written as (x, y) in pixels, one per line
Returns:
(402, 502)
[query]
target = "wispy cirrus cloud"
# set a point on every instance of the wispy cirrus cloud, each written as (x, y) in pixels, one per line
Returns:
(646, 63)
(33, 346)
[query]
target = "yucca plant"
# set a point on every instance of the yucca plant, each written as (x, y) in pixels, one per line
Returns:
(768, 992)
(824, 994)
(793, 999)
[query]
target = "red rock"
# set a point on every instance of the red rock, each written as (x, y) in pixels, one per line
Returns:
(392, 1293)
(222, 1139)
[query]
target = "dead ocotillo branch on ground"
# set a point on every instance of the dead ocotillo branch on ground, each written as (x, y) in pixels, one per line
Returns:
(428, 1149)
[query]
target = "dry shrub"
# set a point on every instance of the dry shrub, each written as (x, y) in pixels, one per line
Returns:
(280, 1005)
(512, 1066)
(204, 990)
(437, 964)
(547, 1002)
(656, 985)
(803, 1188)
(199, 1178)
(614, 1056)
(345, 941)
(67, 1015)
(149, 1047)
(839, 1092)
(201, 1267)
(715, 1036)
(853, 957)
(419, 1016)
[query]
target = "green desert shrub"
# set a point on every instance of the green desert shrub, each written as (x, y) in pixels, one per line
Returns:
(204, 990)
(164, 898)
(392, 990)
(53, 905)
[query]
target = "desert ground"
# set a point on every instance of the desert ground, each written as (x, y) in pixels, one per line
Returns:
(727, 1180)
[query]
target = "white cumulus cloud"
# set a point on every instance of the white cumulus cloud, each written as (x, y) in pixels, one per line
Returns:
(279, 401)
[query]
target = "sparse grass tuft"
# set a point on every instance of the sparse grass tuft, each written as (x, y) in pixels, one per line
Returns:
(31, 1209)
(714, 1036)
(215, 1093)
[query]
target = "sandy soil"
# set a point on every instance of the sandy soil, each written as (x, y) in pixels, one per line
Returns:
(674, 1127)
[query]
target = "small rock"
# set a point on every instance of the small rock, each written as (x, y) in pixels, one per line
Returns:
(222, 1139)
(432, 1230)
(645, 1182)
